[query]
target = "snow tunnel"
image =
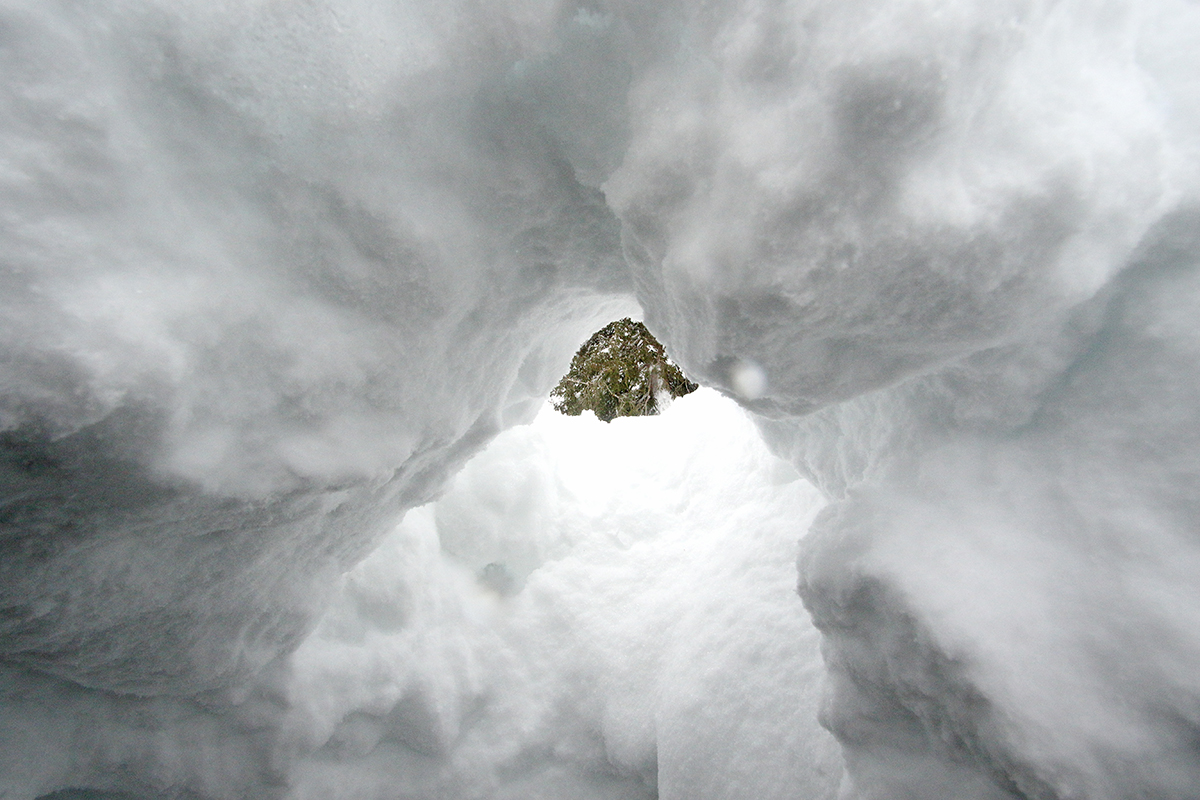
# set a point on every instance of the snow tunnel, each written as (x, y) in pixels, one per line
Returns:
(286, 284)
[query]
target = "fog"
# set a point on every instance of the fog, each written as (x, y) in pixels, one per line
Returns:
(275, 272)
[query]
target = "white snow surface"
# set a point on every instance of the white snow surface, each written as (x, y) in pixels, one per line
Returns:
(274, 270)
(592, 610)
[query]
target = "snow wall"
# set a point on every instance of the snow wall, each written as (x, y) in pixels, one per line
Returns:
(274, 271)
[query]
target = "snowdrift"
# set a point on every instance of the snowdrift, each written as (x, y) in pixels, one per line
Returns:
(275, 271)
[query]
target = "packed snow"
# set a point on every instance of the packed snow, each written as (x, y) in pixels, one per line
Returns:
(275, 271)
(593, 610)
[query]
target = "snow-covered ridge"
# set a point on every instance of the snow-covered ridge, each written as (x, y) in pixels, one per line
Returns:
(274, 271)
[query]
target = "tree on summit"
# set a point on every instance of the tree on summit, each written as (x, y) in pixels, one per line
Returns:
(620, 372)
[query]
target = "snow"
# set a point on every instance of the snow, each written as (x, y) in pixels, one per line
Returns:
(648, 641)
(275, 271)
(650, 631)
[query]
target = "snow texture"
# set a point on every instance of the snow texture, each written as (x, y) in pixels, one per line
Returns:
(274, 270)
(591, 611)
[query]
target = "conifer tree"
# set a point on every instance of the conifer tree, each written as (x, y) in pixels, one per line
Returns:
(619, 372)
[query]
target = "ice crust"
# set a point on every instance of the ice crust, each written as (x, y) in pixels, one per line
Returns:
(274, 271)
